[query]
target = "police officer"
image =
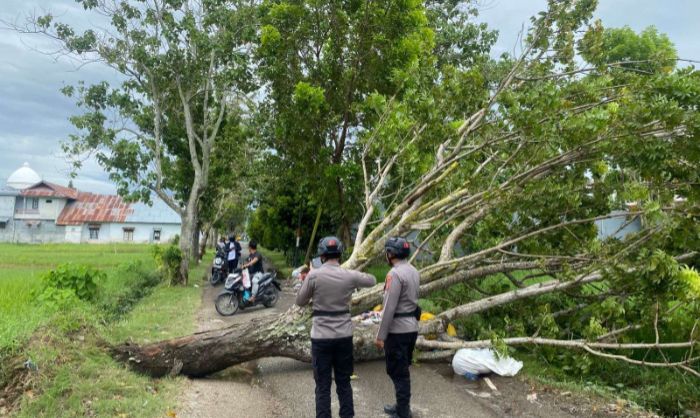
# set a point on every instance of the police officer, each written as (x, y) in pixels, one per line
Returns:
(331, 288)
(398, 330)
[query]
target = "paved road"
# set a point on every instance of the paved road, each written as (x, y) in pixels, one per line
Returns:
(280, 387)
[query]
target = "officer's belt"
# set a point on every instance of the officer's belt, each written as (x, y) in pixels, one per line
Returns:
(330, 313)
(404, 314)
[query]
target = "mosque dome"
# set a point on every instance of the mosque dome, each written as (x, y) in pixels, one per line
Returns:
(23, 177)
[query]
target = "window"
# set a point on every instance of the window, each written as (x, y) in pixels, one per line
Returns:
(35, 203)
(156, 235)
(128, 234)
(49, 200)
(94, 231)
(3, 224)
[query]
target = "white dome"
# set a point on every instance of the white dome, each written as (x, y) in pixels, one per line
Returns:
(23, 177)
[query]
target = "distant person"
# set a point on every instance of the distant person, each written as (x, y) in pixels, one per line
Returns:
(331, 287)
(398, 330)
(238, 247)
(232, 254)
(254, 264)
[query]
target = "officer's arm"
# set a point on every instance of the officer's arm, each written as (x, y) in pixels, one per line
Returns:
(391, 299)
(364, 280)
(306, 291)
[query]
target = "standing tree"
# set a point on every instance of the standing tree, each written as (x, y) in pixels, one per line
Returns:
(184, 66)
(319, 61)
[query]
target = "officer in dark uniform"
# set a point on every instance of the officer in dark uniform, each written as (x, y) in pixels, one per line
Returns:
(331, 288)
(398, 330)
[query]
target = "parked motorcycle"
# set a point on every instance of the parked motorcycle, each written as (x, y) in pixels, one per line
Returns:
(219, 269)
(236, 296)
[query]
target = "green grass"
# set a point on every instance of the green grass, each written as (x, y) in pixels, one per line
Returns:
(279, 261)
(88, 382)
(76, 376)
(22, 266)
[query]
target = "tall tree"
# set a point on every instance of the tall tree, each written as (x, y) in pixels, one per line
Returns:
(320, 60)
(184, 65)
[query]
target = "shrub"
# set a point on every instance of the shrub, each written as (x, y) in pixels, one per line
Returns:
(78, 279)
(168, 260)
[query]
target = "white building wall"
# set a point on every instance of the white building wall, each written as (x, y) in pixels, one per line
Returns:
(143, 232)
(74, 233)
(7, 206)
(49, 208)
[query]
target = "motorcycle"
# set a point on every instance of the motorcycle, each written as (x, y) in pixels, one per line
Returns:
(219, 268)
(236, 294)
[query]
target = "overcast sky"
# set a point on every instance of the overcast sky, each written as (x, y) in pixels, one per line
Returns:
(34, 114)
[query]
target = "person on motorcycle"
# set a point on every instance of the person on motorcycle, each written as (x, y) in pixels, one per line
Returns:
(254, 264)
(331, 288)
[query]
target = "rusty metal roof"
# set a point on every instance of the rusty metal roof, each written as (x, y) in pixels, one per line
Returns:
(46, 189)
(91, 207)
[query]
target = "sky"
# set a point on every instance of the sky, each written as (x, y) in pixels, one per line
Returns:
(34, 114)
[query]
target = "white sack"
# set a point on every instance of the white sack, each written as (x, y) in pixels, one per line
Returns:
(477, 361)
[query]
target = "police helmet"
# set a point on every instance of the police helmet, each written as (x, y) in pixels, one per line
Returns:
(397, 247)
(330, 247)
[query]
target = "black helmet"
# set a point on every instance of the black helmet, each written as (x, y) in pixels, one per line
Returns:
(330, 247)
(398, 247)
(232, 238)
(253, 244)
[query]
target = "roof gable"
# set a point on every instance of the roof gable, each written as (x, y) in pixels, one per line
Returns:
(47, 189)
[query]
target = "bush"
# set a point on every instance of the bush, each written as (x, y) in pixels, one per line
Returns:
(68, 282)
(168, 260)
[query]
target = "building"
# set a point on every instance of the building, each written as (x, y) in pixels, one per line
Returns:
(35, 211)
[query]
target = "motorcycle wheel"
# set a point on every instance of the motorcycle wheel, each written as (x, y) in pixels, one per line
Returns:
(226, 304)
(272, 297)
(214, 279)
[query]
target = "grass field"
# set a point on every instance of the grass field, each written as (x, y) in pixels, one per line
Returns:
(21, 267)
(76, 376)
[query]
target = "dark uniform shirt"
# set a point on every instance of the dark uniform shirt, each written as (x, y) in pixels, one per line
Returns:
(400, 296)
(331, 288)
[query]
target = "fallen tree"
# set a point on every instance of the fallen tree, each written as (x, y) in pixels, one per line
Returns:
(520, 180)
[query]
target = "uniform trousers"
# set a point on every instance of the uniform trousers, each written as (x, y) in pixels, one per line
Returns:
(398, 349)
(333, 355)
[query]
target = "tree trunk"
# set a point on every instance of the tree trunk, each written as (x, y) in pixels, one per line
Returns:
(307, 258)
(195, 243)
(189, 222)
(203, 353)
(203, 244)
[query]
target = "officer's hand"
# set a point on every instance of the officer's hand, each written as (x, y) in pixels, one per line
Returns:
(379, 343)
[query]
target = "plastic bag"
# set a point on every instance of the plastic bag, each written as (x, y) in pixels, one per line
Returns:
(476, 361)
(246, 278)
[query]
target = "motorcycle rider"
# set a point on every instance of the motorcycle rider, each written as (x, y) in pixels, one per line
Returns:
(331, 288)
(254, 264)
(398, 330)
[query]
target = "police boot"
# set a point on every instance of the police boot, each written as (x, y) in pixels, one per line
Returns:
(390, 409)
(393, 412)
